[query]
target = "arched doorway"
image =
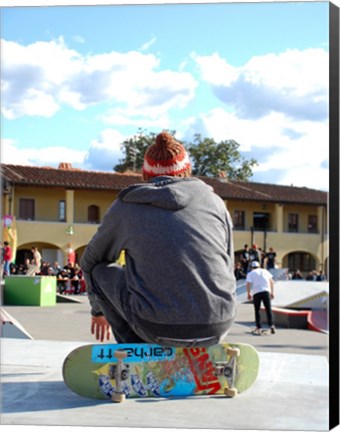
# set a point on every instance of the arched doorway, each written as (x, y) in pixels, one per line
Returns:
(299, 260)
(49, 252)
(79, 252)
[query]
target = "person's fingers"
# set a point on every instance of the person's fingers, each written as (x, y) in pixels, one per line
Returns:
(99, 332)
(100, 328)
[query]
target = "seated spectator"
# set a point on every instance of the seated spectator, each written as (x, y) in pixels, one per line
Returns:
(297, 275)
(75, 281)
(321, 276)
(56, 267)
(238, 272)
(63, 281)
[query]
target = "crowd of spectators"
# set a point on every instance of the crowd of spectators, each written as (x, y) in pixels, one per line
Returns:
(69, 278)
(267, 260)
(248, 255)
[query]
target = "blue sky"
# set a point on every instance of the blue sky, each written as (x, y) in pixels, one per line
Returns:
(78, 80)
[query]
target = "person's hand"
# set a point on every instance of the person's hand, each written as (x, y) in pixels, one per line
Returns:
(272, 296)
(100, 328)
(250, 296)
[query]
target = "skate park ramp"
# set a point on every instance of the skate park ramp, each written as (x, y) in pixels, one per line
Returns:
(318, 321)
(296, 304)
(293, 294)
(11, 328)
(301, 294)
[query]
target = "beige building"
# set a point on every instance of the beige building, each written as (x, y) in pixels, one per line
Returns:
(59, 210)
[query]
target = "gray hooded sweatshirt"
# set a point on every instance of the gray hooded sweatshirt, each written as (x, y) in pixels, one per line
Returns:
(177, 237)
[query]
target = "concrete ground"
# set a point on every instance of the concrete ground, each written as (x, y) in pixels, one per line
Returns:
(291, 392)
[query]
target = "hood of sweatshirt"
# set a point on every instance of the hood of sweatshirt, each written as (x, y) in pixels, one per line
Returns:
(171, 193)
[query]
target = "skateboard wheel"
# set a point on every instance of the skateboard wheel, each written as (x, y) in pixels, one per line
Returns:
(124, 375)
(112, 371)
(118, 397)
(228, 372)
(230, 392)
(233, 352)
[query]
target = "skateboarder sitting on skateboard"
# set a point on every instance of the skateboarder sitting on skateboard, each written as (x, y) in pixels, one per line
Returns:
(260, 282)
(178, 286)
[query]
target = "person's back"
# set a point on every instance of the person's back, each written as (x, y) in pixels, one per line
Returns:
(179, 256)
(260, 280)
(179, 270)
(260, 288)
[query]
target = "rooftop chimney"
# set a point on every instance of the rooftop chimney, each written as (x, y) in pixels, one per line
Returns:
(223, 176)
(65, 166)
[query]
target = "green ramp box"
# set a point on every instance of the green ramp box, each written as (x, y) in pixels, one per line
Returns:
(30, 290)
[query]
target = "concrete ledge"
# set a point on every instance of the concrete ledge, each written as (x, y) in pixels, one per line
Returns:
(287, 318)
(67, 299)
(315, 320)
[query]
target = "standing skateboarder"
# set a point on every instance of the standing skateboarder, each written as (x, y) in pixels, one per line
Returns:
(260, 288)
(177, 287)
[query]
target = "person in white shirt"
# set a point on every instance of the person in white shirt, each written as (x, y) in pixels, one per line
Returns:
(260, 288)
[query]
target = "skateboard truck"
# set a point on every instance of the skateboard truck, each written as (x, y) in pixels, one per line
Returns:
(228, 370)
(119, 395)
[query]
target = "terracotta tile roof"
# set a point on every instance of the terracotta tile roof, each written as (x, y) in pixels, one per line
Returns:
(251, 191)
(67, 177)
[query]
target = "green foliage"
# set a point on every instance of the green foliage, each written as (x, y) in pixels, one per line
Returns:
(208, 158)
(211, 159)
(134, 149)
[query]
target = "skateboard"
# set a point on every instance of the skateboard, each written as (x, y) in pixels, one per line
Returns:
(119, 371)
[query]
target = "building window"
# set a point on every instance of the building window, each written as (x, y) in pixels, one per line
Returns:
(312, 224)
(93, 214)
(62, 211)
(239, 219)
(260, 221)
(293, 222)
(26, 208)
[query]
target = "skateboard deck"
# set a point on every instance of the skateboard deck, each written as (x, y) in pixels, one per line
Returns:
(119, 371)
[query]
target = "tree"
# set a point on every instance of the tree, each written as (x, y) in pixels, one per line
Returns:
(134, 149)
(213, 159)
(209, 159)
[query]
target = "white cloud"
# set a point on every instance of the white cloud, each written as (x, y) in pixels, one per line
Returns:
(39, 78)
(288, 151)
(276, 109)
(32, 75)
(215, 70)
(275, 106)
(127, 117)
(293, 82)
(148, 44)
(12, 153)
(104, 152)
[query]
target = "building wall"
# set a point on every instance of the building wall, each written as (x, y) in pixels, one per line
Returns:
(56, 237)
(84, 199)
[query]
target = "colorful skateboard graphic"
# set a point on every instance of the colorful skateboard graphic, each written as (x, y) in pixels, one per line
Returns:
(119, 371)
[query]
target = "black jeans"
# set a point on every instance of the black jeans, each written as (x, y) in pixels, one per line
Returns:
(263, 296)
(112, 295)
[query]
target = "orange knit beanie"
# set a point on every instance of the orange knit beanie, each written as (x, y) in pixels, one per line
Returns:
(166, 157)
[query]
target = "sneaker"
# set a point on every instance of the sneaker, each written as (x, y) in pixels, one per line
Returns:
(272, 329)
(257, 332)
